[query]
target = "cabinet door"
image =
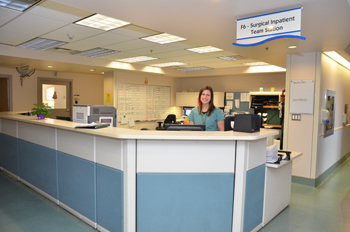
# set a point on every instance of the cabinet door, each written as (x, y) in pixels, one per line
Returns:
(186, 99)
(219, 99)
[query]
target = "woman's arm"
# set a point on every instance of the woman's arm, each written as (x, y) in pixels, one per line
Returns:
(190, 122)
(221, 126)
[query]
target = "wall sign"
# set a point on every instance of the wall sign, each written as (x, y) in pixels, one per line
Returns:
(301, 99)
(259, 29)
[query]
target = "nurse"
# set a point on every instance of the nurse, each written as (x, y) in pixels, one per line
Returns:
(206, 113)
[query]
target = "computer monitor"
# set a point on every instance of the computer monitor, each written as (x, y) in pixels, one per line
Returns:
(185, 127)
(187, 111)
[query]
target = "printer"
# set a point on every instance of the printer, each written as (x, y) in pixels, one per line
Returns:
(90, 113)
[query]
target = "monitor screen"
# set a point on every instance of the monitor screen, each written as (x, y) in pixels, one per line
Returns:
(187, 111)
(185, 127)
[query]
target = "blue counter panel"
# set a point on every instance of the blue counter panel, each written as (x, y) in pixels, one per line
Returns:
(76, 184)
(37, 165)
(9, 158)
(110, 198)
(254, 198)
(193, 202)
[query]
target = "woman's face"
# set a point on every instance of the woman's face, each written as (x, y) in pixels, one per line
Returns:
(205, 97)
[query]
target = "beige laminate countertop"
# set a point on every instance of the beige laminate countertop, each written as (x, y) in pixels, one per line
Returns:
(122, 133)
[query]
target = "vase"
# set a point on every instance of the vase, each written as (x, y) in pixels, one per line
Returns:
(40, 116)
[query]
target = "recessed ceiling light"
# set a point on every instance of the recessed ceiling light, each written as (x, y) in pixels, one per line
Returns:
(163, 38)
(256, 64)
(102, 22)
(338, 58)
(293, 46)
(205, 49)
(229, 58)
(194, 68)
(92, 70)
(20, 5)
(49, 66)
(41, 44)
(137, 59)
(162, 65)
(96, 52)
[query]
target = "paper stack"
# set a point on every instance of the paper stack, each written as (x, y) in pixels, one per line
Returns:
(271, 154)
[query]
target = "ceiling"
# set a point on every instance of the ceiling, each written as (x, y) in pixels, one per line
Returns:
(325, 24)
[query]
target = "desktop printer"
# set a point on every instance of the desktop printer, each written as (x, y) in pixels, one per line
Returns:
(90, 113)
(247, 123)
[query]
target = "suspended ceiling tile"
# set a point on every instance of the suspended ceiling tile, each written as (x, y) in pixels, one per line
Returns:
(32, 25)
(189, 58)
(116, 56)
(14, 39)
(175, 54)
(134, 31)
(157, 61)
(65, 9)
(205, 60)
(78, 32)
(53, 14)
(185, 44)
(101, 40)
(130, 45)
(156, 49)
(7, 15)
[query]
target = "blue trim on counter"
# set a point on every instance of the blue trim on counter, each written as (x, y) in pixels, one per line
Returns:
(76, 182)
(37, 166)
(193, 202)
(110, 200)
(9, 158)
(254, 198)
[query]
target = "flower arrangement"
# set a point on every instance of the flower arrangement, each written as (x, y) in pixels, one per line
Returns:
(41, 111)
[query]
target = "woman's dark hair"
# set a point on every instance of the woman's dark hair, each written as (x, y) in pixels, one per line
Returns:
(211, 103)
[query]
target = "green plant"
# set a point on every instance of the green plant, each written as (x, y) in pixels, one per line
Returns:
(40, 109)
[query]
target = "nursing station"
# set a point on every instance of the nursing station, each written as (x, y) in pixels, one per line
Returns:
(259, 29)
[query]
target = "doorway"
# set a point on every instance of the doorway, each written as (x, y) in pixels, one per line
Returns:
(5, 93)
(56, 94)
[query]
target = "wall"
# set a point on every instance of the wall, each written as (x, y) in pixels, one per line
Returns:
(241, 83)
(89, 86)
(332, 148)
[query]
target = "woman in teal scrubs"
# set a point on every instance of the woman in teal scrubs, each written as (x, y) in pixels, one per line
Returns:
(206, 113)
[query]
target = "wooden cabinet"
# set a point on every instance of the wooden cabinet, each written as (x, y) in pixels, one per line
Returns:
(191, 98)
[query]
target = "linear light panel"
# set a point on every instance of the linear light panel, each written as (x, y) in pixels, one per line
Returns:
(96, 52)
(137, 59)
(205, 49)
(338, 58)
(41, 44)
(194, 68)
(162, 65)
(229, 58)
(163, 38)
(20, 5)
(255, 64)
(102, 22)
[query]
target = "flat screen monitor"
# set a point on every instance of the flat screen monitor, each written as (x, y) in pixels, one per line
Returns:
(187, 111)
(185, 127)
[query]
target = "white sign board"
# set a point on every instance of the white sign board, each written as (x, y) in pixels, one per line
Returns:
(301, 99)
(259, 29)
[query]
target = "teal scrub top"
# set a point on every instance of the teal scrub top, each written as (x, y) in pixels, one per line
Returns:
(211, 122)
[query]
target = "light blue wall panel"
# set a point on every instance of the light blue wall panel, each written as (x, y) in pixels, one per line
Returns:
(110, 198)
(37, 165)
(76, 184)
(254, 198)
(9, 158)
(184, 202)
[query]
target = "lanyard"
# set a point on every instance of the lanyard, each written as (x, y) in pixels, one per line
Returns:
(206, 114)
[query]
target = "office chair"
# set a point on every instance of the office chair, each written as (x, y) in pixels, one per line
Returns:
(171, 118)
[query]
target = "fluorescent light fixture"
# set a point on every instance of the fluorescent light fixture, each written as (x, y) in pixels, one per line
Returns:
(95, 52)
(41, 44)
(49, 66)
(229, 58)
(162, 65)
(102, 22)
(20, 5)
(194, 68)
(205, 49)
(292, 46)
(137, 59)
(256, 64)
(338, 58)
(163, 38)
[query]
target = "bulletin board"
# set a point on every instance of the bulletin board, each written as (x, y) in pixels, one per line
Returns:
(238, 101)
(302, 97)
(143, 102)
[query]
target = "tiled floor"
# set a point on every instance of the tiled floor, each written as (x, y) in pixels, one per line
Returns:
(311, 209)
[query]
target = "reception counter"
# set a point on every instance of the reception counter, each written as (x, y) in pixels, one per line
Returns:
(127, 180)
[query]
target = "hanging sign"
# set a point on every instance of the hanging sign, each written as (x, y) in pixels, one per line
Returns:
(259, 29)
